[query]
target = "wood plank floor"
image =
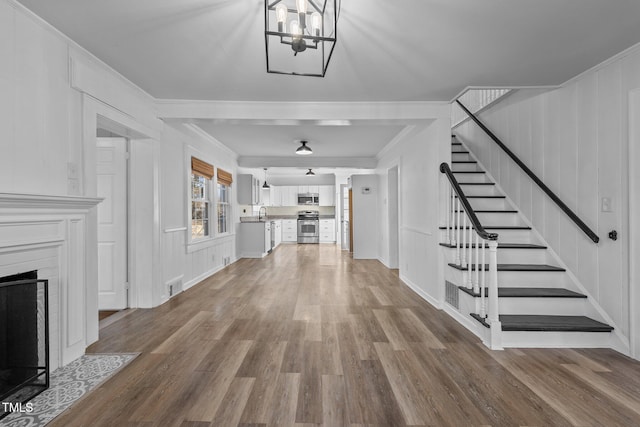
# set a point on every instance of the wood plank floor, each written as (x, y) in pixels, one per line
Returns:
(309, 337)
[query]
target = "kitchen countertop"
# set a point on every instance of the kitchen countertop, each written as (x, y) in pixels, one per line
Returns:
(276, 217)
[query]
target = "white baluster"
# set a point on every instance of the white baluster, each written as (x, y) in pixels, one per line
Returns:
(457, 225)
(494, 311)
(452, 237)
(464, 240)
(476, 280)
(470, 257)
(483, 301)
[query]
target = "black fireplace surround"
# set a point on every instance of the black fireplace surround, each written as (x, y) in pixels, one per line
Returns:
(24, 338)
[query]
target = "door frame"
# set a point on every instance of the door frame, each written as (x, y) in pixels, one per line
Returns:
(393, 206)
(98, 114)
(634, 227)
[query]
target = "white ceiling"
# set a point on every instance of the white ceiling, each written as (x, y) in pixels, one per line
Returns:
(400, 50)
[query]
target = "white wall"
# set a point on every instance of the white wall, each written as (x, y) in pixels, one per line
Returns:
(53, 96)
(418, 157)
(365, 216)
(575, 139)
(199, 261)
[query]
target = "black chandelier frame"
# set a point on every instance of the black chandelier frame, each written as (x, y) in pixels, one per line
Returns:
(317, 42)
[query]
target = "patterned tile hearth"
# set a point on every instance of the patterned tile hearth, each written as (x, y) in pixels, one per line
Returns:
(67, 385)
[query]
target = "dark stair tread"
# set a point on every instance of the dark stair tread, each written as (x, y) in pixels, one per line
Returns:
(495, 227)
(509, 211)
(512, 267)
(460, 152)
(502, 246)
(463, 161)
(485, 197)
(468, 171)
(528, 292)
(547, 323)
(477, 183)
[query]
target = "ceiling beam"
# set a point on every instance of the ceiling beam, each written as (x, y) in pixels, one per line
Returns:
(307, 162)
(240, 110)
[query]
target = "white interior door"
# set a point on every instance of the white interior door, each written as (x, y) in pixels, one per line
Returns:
(344, 217)
(111, 172)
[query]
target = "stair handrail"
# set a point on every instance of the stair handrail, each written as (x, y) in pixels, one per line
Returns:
(464, 258)
(593, 236)
(484, 234)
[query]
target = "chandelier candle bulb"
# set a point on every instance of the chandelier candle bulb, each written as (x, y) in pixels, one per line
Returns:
(302, 12)
(316, 24)
(281, 16)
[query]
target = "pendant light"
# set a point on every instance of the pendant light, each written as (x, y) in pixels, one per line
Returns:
(303, 150)
(265, 185)
(310, 173)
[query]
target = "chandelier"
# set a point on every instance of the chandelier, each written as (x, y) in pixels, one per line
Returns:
(304, 27)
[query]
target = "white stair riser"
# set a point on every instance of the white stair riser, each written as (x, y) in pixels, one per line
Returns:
(543, 306)
(460, 156)
(455, 148)
(471, 177)
(480, 190)
(549, 306)
(509, 256)
(494, 218)
(488, 204)
(464, 167)
(523, 339)
(515, 279)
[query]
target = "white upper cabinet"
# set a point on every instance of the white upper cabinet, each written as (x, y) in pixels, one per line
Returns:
(327, 195)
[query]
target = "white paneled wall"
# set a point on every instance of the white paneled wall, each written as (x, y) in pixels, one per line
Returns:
(575, 139)
(418, 157)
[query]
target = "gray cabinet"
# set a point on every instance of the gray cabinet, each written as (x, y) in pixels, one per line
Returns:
(248, 190)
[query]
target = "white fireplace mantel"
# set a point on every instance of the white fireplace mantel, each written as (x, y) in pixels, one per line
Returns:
(55, 235)
(37, 201)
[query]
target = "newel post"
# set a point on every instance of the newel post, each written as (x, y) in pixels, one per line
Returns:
(494, 311)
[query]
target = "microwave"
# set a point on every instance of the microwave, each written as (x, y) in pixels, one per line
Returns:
(308, 199)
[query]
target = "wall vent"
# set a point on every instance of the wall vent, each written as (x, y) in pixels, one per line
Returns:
(451, 294)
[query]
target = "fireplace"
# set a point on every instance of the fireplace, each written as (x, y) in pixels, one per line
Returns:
(24, 338)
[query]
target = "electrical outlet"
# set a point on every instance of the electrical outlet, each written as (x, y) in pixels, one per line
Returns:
(607, 205)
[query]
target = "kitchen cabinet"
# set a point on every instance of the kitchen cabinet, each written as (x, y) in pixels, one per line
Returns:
(327, 195)
(254, 239)
(289, 230)
(327, 231)
(278, 232)
(276, 196)
(308, 188)
(288, 195)
(249, 191)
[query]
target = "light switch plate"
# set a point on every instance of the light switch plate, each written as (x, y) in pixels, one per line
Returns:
(606, 205)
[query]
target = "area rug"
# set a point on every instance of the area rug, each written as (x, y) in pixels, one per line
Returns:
(67, 385)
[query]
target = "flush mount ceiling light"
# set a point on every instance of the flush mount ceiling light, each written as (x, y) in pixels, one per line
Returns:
(303, 150)
(300, 26)
(265, 185)
(310, 173)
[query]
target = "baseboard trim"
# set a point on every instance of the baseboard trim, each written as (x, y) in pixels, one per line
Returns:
(425, 296)
(205, 275)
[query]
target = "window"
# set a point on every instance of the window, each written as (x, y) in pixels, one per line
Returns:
(224, 207)
(201, 175)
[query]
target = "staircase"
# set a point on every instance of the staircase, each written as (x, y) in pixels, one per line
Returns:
(539, 303)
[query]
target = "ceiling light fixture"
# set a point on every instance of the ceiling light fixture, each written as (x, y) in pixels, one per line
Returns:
(265, 185)
(310, 173)
(303, 150)
(295, 26)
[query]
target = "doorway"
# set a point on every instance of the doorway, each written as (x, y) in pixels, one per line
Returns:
(112, 184)
(392, 206)
(344, 217)
(634, 226)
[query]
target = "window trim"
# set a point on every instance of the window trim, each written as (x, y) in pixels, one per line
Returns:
(193, 245)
